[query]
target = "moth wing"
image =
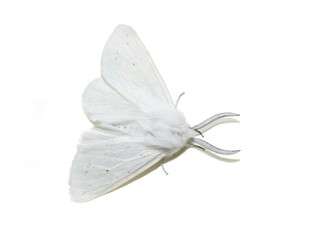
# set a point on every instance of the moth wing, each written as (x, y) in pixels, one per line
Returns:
(104, 106)
(104, 163)
(129, 69)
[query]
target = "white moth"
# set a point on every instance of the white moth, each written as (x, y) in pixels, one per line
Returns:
(136, 124)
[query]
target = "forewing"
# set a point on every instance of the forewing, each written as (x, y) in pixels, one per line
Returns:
(128, 68)
(104, 106)
(104, 162)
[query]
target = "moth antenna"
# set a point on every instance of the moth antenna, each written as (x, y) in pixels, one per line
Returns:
(162, 165)
(199, 142)
(214, 118)
(194, 145)
(179, 97)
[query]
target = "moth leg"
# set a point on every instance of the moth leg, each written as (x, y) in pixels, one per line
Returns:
(206, 145)
(179, 97)
(199, 132)
(162, 165)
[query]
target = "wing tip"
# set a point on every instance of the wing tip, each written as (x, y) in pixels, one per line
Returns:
(124, 28)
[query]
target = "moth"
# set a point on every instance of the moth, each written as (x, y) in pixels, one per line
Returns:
(136, 125)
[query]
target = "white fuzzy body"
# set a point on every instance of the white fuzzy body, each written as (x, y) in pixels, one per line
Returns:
(166, 131)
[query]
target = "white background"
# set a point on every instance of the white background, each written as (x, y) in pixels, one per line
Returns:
(256, 58)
